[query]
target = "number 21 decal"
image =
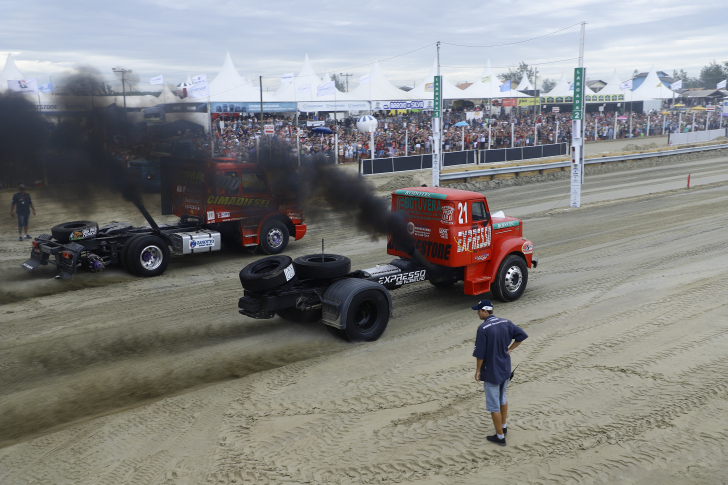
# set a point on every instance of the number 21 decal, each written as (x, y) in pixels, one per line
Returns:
(462, 212)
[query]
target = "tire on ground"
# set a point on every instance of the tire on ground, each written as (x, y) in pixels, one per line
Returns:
(74, 230)
(148, 256)
(273, 237)
(268, 273)
(511, 279)
(322, 266)
(300, 316)
(123, 254)
(367, 316)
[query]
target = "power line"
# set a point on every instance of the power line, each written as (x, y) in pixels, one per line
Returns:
(517, 42)
(508, 67)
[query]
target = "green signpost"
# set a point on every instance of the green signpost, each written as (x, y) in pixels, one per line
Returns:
(438, 97)
(578, 93)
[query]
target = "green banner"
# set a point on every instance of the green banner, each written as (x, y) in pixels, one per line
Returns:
(578, 93)
(438, 97)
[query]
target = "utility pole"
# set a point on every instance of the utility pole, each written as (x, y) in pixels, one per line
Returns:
(577, 130)
(347, 79)
(123, 89)
(436, 123)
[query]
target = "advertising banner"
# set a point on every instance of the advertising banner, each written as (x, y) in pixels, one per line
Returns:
(386, 105)
(233, 107)
(527, 101)
(185, 108)
(510, 102)
(331, 106)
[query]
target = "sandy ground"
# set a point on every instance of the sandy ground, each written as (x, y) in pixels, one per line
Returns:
(111, 379)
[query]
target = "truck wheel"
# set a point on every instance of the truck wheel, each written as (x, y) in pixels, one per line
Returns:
(299, 316)
(74, 230)
(124, 253)
(367, 316)
(268, 273)
(511, 280)
(273, 237)
(322, 266)
(149, 256)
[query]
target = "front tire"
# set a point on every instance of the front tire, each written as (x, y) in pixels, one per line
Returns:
(511, 280)
(273, 237)
(149, 256)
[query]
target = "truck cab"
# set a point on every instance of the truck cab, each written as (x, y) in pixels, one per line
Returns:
(455, 230)
(233, 198)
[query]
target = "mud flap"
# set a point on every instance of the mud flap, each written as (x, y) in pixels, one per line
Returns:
(31, 264)
(64, 275)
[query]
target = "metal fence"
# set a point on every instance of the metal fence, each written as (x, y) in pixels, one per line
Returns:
(696, 136)
(467, 157)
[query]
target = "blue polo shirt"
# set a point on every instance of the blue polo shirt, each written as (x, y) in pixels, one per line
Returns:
(491, 343)
(22, 203)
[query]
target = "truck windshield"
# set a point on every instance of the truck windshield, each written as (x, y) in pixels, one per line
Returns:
(479, 213)
(253, 182)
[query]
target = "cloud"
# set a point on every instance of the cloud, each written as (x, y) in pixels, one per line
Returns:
(181, 37)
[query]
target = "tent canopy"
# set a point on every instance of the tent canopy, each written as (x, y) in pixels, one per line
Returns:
(10, 72)
(305, 86)
(449, 90)
(651, 88)
(228, 86)
(379, 88)
(485, 87)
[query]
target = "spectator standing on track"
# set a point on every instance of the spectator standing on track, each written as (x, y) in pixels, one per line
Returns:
(494, 342)
(23, 205)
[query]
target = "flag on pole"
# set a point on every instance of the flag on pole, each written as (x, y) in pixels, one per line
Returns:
(305, 89)
(659, 85)
(157, 80)
(721, 85)
(287, 78)
(506, 86)
(46, 88)
(199, 79)
(199, 90)
(626, 85)
(485, 79)
(364, 79)
(676, 85)
(23, 86)
(326, 88)
(571, 87)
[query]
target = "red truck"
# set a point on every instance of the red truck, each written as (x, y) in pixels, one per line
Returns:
(450, 236)
(218, 200)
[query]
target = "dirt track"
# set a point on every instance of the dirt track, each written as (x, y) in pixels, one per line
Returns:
(624, 379)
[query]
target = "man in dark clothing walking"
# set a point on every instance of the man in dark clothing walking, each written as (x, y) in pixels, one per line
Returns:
(22, 203)
(494, 342)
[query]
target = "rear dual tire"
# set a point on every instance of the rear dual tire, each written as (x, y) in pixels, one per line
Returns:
(145, 255)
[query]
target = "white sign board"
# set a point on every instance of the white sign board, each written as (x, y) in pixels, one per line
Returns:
(269, 129)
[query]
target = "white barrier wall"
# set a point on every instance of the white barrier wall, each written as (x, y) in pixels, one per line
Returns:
(696, 136)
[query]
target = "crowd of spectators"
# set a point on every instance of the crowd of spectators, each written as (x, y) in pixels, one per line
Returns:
(411, 133)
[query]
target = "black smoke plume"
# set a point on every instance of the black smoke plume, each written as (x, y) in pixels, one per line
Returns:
(343, 192)
(86, 155)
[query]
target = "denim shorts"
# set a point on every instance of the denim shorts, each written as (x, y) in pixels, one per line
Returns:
(495, 396)
(23, 220)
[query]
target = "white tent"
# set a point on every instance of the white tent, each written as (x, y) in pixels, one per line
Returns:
(304, 88)
(651, 88)
(449, 90)
(378, 88)
(10, 72)
(228, 86)
(525, 84)
(564, 89)
(485, 87)
(167, 96)
(612, 87)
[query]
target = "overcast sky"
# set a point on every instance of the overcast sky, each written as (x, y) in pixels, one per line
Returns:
(180, 37)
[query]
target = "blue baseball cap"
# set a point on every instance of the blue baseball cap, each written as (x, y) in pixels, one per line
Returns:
(483, 305)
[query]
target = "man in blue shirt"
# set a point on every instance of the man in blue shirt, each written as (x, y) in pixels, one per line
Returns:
(22, 203)
(494, 342)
